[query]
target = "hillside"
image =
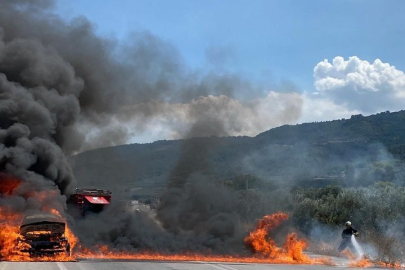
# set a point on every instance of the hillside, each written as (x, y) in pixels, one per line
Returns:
(350, 152)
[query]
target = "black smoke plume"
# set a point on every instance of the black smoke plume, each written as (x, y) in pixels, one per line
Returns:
(108, 83)
(64, 89)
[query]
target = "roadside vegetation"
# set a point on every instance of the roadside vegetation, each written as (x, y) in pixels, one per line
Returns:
(323, 174)
(377, 211)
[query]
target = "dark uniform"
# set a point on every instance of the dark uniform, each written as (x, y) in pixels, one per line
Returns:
(347, 239)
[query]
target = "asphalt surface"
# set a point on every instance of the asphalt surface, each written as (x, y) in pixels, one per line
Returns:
(121, 265)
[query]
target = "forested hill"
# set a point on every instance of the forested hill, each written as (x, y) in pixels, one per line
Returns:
(387, 128)
(355, 151)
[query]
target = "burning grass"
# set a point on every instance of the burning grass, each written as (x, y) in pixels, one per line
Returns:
(365, 261)
(264, 249)
(260, 242)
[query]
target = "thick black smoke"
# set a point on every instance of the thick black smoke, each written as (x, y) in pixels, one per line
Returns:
(38, 104)
(64, 89)
(202, 218)
(195, 213)
(110, 83)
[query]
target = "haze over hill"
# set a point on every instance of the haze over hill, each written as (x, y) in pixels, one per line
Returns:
(349, 152)
(59, 98)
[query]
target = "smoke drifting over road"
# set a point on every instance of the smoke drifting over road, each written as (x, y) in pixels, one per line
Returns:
(201, 219)
(64, 89)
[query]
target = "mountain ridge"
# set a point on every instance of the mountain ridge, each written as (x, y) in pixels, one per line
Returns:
(284, 155)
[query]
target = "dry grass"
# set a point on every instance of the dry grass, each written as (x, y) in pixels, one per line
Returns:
(390, 248)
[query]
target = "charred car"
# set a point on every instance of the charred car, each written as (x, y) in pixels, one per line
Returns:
(44, 234)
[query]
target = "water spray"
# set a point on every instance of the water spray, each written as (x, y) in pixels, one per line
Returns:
(357, 247)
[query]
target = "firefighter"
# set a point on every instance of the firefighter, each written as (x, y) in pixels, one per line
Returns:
(347, 237)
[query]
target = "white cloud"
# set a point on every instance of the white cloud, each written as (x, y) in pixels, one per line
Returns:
(360, 85)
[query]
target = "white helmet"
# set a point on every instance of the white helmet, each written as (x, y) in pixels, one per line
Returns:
(348, 223)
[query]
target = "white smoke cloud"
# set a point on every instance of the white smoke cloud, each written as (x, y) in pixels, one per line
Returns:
(317, 109)
(220, 116)
(217, 115)
(235, 117)
(343, 88)
(361, 85)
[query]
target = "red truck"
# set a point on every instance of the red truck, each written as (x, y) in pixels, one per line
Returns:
(90, 200)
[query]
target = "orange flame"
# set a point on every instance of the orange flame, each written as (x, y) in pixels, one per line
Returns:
(9, 184)
(12, 244)
(260, 242)
(264, 248)
(361, 263)
(9, 244)
(394, 264)
(366, 262)
(104, 252)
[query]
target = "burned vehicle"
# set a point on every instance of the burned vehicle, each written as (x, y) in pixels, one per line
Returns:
(44, 234)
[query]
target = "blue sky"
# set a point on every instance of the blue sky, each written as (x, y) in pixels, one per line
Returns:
(264, 39)
(269, 42)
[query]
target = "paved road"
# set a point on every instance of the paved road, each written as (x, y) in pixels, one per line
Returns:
(119, 265)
